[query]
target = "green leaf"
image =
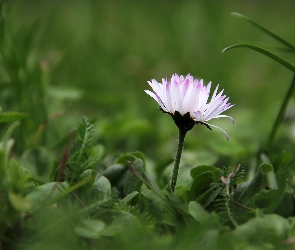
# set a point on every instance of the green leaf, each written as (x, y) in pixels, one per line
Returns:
(114, 173)
(267, 200)
(245, 192)
(198, 212)
(274, 201)
(150, 184)
(5, 147)
(128, 198)
(102, 187)
(176, 203)
(19, 203)
(200, 185)
(273, 56)
(85, 232)
(116, 221)
(88, 174)
(269, 230)
(130, 182)
(122, 220)
(266, 168)
(46, 192)
(209, 196)
(285, 208)
(160, 208)
(201, 169)
(130, 157)
(268, 32)
(11, 117)
(80, 151)
(7, 143)
(84, 140)
(18, 177)
(90, 229)
(94, 225)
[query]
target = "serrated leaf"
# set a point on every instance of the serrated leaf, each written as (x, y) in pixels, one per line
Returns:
(84, 140)
(12, 117)
(273, 56)
(265, 30)
(79, 152)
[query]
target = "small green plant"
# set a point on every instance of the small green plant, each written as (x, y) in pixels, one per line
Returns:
(65, 186)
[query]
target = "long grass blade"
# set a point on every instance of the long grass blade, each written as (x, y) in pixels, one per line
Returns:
(265, 30)
(275, 57)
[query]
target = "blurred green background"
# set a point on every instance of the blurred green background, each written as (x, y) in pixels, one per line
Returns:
(61, 60)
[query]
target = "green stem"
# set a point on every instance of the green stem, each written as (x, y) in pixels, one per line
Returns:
(173, 181)
(281, 114)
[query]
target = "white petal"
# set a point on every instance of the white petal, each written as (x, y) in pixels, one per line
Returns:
(176, 97)
(198, 115)
(232, 119)
(227, 137)
(167, 98)
(157, 87)
(157, 99)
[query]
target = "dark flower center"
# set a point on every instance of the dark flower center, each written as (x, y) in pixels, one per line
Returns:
(185, 122)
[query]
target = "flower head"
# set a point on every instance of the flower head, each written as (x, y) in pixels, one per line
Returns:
(186, 100)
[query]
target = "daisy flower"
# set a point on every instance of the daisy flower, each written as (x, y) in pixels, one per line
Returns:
(187, 100)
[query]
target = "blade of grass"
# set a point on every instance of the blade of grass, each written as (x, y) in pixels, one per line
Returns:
(273, 56)
(281, 114)
(265, 30)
